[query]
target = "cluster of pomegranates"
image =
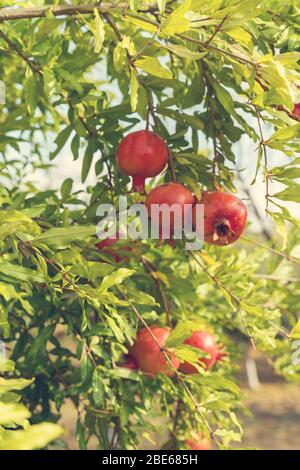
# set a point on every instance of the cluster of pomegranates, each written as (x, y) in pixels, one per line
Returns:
(149, 353)
(141, 155)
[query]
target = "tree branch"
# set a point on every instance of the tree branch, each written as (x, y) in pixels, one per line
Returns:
(292, 259)
(62, 10)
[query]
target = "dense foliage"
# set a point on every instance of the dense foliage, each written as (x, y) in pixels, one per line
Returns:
(68, 313)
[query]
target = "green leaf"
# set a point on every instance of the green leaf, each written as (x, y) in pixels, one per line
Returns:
(99, 32)
(35, 437)
(152, 66)
(92, 147)
(4, 325)
(218, 382)
(281, 92)
(284, 134)
(134, 86)
(144, 25)
(13, 413)
(75, 146)
(134, 4)
(191, 355)
(287, 58)
(295, 333)
(80, 435)
(178, 335)
(141, 298)
(161, 5)
(49, 81)
(177, 22)
(115, 278)
(241, 36)
(289, 194)
(31, 91)
(98, 390)
(22, 274)
(66, 188)
(6, 385)
(224, 97)
(61, 140)
(183, 118)
(6, 366)
(115, 329)
(39, 343)
(65, 235)
(124, 373)
(182, 51)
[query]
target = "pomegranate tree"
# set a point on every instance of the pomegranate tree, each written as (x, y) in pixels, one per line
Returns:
(148, 351)
(142, 154)
(225, 217)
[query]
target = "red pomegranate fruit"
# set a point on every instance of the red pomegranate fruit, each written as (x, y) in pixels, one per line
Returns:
(170, 194)
(200, 442)
(296, 110)
(205, 341)
(130, 363)
(110, 245)
(142, 155)
(225, 217)
(148, 353)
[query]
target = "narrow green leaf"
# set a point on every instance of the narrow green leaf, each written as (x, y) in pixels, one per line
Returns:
(152, 66)
(66, 188)
(31, 91)
(65, 235)
(22, 274)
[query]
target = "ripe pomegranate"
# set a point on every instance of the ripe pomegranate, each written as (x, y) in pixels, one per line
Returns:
(110, 242)
(169, 194)
(142, 154)
(200, 442)
(296, 110)
(148, 353)
(130, 363)
(225, 217)
(206, 342)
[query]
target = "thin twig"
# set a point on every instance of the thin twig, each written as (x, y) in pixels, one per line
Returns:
(292, 259)
(210, 94)
(65, 10)
(269, 277)
(248, 193)
(217, 30)
(264, 150)
(32, 64)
